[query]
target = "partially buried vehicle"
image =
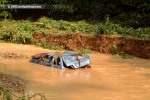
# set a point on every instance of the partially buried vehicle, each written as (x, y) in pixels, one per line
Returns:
(63, 60)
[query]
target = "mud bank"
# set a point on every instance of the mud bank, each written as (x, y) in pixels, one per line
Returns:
(102, 44)
(12, 83)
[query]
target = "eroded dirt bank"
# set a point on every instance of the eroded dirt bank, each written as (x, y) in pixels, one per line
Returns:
(102, 44)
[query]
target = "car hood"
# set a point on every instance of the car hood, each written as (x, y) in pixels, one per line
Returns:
(76, 61)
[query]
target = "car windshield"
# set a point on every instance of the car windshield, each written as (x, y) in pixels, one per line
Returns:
(69, 59)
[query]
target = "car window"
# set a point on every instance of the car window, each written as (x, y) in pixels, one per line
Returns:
(69, 58)
(57, 61)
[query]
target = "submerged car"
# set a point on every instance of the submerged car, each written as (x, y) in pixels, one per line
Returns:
(63, 60)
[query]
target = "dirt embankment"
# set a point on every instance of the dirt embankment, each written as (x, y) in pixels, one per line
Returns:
(102, 44)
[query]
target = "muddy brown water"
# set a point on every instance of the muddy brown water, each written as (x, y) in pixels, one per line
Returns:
(110, 78)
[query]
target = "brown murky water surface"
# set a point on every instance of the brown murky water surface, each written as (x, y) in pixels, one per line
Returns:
(110, 78)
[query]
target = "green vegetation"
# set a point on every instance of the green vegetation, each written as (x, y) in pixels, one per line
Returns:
(55, 47)
(6, 95)
(16, 31)
(22, 31)
(85, 51)
(125, 56)
(43, 45)
(115, 51)
(50, 47)
(111, 28)
(63, 27)
(81, 9)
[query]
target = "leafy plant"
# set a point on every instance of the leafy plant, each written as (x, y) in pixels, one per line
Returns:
(69, 27)
(43, 45)
(25, 26)
(5, 14)
(51, 47)
(111, 28)
(126, 56)
(85, 51)
(7, 36)
(24, 38)
(115, 51)
(54, 47)
(6, 95)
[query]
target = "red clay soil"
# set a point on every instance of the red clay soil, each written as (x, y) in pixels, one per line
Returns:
(102, 44)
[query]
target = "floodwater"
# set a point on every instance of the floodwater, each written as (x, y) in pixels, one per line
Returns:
(110, 78)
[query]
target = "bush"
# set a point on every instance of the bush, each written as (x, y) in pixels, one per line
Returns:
(85, 51)
(25, 26)
(69, 27)
(24, 38)
(111, 28)
(55, 47)
(17, 31)
(50, 47)
(43, 45)
(21, 31)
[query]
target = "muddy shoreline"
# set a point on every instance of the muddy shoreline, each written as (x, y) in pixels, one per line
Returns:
(101, 44)
(12, 83)
(9, 82)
